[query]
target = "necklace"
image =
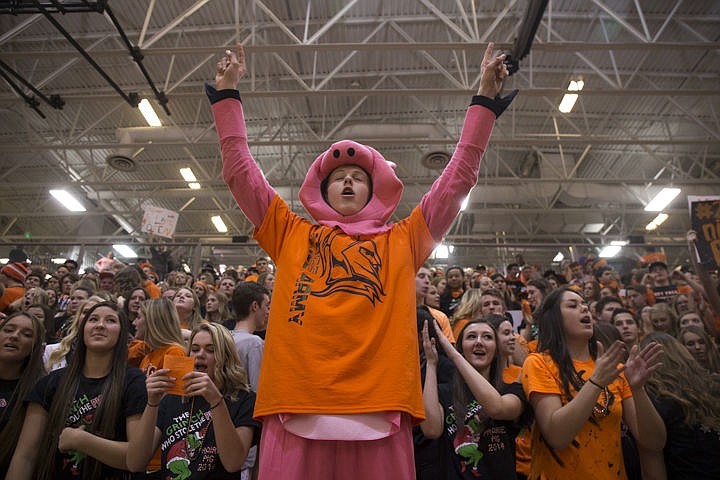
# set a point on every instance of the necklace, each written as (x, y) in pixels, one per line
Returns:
(606, 398)
(602, 410)
(194, 442)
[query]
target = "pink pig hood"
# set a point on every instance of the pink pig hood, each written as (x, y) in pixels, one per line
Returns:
(385, 196)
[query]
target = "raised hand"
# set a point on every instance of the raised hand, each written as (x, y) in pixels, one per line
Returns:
(641, 365)
(492, 73)
(230, 69)
(429, 347)
(606, 365)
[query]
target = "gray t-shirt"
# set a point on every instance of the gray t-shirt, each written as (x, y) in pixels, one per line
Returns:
(250, 350)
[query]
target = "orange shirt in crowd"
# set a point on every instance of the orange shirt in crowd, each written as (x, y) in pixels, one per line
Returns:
(342, 327)
(458, 325)
(511, 373)
(155, 359)
(152, 289)
(9, 296)
(444, 323)
(137, 349)
(596, 452)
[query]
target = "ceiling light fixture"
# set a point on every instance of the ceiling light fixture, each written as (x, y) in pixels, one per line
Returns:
(67, 200)
(149, 113)
(188, 174)
(125, 251)
(657, 221)
(610, 251)
(219, 224)
(569, 99)
(662, 199)
(558, 258)
(593, 228)
(442, 252)
(189, 177)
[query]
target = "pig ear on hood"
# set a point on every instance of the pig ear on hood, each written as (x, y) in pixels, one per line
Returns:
(384, 198)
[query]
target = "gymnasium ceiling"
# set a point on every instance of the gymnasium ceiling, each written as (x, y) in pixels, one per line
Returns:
(397, 75)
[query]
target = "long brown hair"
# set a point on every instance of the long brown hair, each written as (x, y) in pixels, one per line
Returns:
(32, 371)
(683, 380)
(711, 350)
(108, 413)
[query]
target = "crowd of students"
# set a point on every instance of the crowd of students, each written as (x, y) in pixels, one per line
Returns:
(84, 380)
(475, 374)
(522, 377)
(551, 382)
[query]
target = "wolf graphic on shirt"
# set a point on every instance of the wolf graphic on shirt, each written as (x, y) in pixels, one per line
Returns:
(353, 268)
(337, 263)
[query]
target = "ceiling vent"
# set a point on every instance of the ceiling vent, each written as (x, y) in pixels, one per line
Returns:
(436, 160)
(120, 162)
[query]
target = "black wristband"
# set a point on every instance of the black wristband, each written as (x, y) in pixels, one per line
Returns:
(497, 105)
(596, 384)
(216, 95)
(153, 405)
(218, 403)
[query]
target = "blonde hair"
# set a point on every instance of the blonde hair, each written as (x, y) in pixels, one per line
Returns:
(470, 305)
(664, 308)
(68, 340)
(229, 375)
(162, 324)
(223, 312)
(195, 318)
(711, 350)
(682, 379)
(39, 296)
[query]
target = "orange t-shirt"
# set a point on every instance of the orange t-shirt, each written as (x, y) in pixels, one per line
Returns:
(342, 336)
(9, 296)
(154, 360)
(458, 325)
(444, 323)
(511, 373)
(137, 349)
(596, 452)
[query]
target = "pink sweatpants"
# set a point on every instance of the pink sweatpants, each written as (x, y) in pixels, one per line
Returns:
(286, 456)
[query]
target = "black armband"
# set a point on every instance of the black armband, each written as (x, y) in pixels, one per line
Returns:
(497, 105)
(216, 95)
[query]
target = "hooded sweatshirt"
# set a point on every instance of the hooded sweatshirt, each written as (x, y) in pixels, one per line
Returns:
(341, 336)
